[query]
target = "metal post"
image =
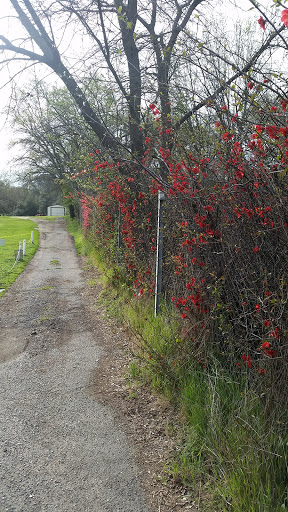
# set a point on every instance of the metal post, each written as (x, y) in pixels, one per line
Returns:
(32, 237)
(119, 228)
(159, 253)
(24, 247)
(20, 251)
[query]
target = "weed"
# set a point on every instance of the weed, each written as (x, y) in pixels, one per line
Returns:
(132, 395)
(55, 262)
(134, 370)
(92, 282)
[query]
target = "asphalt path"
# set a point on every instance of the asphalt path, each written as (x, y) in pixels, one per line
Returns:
(61, 449)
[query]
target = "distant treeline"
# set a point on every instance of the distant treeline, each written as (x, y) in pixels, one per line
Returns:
(24, 200)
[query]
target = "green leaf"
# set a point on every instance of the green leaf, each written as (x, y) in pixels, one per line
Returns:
(283, 173)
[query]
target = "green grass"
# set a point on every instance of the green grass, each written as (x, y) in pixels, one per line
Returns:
(55, 262)
(15, 230)
(230, 446)
(45, 318)
(85, 247)
(92, 282)
(232, 451)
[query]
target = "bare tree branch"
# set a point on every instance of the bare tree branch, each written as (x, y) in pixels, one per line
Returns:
(224, 86)
(22, 51)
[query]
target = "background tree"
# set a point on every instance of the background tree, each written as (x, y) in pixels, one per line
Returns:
(128, 39)
(18, 200)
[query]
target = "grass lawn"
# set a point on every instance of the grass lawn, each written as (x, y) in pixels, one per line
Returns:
(15, 230)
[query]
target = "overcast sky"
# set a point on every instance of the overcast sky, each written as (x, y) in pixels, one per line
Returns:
(8, 25)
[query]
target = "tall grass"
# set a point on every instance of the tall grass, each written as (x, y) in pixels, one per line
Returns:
(231, 445)
(232, 448)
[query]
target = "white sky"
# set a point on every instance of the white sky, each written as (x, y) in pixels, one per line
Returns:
(6, 25)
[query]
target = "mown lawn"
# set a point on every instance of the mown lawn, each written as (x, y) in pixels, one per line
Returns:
(15, 230)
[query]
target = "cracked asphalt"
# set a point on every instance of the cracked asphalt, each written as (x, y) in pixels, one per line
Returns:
(61, 448)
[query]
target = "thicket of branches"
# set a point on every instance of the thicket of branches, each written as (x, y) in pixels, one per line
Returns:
(225, 235)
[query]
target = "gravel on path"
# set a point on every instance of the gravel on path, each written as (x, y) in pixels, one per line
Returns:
(61, 448)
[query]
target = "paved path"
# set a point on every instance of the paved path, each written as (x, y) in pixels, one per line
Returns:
(61, 450)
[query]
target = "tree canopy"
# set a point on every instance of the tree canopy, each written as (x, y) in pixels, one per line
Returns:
(165, 53)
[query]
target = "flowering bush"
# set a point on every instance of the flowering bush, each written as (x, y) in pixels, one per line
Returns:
(284, 17)
(225, 239)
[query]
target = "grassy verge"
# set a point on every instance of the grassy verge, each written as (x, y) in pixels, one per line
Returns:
(13, 231)
(232, 451)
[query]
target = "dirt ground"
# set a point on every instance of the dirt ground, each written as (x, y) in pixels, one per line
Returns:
(75, 436)
(146, 417)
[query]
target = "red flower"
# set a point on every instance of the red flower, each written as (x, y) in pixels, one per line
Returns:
(227, 136)
(250, 85)
(272, 130)
(262, 22)
(284, 17)
(261, 371)
(247, 360)
(258, 128)
(271, 353)
(256, 249)
(191, 284)
(276, 333)
(266, 344)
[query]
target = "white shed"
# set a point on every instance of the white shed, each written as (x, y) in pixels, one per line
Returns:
(56, 209)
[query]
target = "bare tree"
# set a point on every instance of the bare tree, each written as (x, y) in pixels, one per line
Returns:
(139, 45)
